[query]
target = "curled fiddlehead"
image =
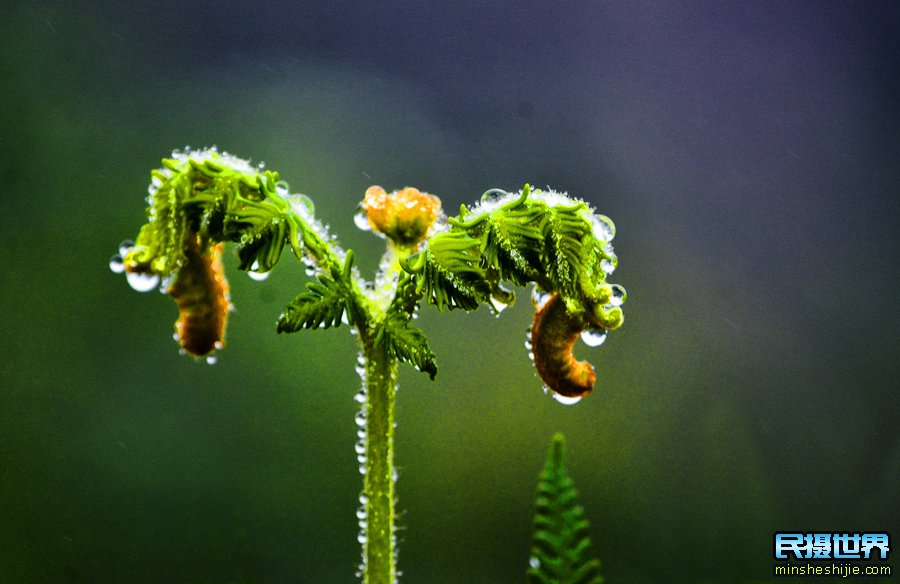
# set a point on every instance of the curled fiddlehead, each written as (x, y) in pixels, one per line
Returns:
(201, 199)
(532, 236)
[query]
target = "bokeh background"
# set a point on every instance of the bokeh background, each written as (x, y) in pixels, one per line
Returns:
(748, 152)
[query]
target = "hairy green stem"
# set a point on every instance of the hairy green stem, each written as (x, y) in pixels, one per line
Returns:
(379, 485)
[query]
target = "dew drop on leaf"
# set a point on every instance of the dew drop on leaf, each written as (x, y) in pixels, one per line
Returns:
(593, 338)
(142, 282)
(618, 295)
(565, 400)
(116, 264)
(211, 360)
(258, 276)
(125, 247)
(497, 305)
(539, 298)
(607, 266)
(361, 220)
(603, 228)
(493, 195)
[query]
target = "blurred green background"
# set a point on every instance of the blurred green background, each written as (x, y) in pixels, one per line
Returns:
(747, 152)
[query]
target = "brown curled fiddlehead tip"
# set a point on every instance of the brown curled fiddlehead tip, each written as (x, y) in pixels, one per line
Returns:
(201, 292)
(553, 336)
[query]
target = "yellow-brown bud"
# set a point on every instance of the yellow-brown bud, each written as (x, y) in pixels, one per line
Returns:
(404, 216)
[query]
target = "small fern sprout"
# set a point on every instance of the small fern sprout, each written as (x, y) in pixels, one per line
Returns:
(561, 551)
(201, 200)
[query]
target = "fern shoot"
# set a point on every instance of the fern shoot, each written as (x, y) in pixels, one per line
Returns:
(561, 552)
(201, 199)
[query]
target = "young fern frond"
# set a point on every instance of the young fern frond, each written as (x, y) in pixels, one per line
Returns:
(199, 199)
(561, 549)
(547, 238)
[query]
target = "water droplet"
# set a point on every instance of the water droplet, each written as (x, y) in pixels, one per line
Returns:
(360, 396)
(565, 400)
(618, 295)
(155, 183)
(361, 513)
(603, 228)
(362, 469)
(593, 338)
(310, 265)
(360, 447)
(607, 266)
(116, 264)
(534, 562)
(125, 247)
(498, 305)
(211, 360)
(302, 205)
(363, 500)
(361, 458)
(142, 282)
(361, 419)
(539, 297)
(361, 538)
(361, 220)
(258, 276)
(493, 195)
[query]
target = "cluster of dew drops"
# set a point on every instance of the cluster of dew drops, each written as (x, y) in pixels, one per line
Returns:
(147, 282)
(137, 281)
